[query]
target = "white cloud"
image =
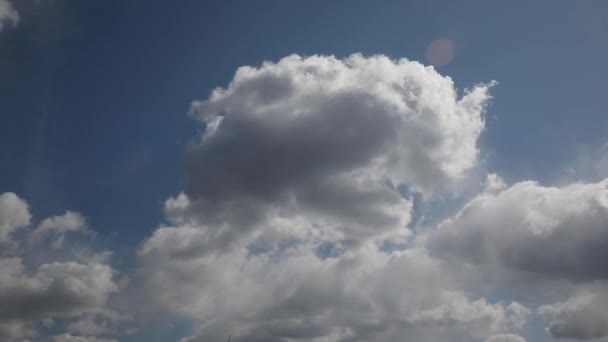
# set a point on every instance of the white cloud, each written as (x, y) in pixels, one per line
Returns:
(291, 195)
(393, 118)
(327, 140)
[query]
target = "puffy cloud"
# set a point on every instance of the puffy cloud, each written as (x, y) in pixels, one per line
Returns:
(329, 139)
(551, 232)
(506, 338)
(292, 194)
(581, 317)
(301, 116)
(31, 291)
(8, 15)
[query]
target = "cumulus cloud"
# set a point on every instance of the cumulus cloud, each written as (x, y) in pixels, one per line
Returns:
(329, 139)
(292, 193)
(32, 292)
(8, 15)
(550, 232)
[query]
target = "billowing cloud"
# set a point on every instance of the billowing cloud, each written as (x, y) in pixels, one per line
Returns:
(328, 139)
(284, 230)
(550, 232)
(32, 292)
(8, 15)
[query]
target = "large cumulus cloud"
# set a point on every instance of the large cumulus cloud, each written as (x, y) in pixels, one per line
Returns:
(293, 198)
(331, 139)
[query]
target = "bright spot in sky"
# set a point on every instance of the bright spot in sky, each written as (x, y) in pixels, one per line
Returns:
(440, 52)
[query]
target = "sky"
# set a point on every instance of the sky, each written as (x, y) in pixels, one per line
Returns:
(290, 171)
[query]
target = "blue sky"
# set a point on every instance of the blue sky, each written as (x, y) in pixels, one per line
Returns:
(94, 95)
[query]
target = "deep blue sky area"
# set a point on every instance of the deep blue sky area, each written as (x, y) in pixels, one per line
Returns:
(94, 95)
